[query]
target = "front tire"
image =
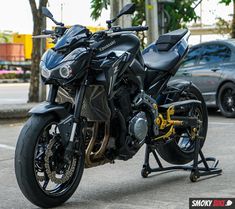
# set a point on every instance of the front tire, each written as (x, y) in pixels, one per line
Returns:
(32, 168)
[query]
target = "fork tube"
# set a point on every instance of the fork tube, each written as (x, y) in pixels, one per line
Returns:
(52, 93)
(73, 132)
(79, 100)
(78, 107)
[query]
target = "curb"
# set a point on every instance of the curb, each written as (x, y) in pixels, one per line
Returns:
(15, 111)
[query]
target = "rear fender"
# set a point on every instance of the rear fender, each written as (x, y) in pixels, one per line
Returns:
(181, 106)
(174, 91)
(179, 85)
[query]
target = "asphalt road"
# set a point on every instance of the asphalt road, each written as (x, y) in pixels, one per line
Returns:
(15, 93)
(120, 186)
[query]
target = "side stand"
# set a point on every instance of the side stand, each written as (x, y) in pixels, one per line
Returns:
(196, 171)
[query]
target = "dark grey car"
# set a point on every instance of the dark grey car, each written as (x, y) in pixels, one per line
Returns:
(211, 67)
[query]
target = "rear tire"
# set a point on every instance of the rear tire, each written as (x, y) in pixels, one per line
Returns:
(171, 151)
(25, 166)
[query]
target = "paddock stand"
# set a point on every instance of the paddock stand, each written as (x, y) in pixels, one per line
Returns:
(196, 171)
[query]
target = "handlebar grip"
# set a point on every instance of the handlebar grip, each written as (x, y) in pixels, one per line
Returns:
(143, 28)
(135, 28)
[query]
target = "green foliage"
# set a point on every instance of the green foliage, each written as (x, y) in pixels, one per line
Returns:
(139, 18)
(223, 26)
(97, 6)
(14, 76)
(180, 12)
(139, 15)
(226, 2)
(6, 37)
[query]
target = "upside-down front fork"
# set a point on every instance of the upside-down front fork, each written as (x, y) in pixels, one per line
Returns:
(69, 151)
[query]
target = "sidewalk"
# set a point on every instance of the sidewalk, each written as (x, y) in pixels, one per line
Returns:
(15, 111)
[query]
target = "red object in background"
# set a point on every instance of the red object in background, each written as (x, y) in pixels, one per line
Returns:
(11, 52)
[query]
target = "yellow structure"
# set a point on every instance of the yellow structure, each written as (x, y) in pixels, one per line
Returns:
(49, 43)
(25, 39)
(95, 29)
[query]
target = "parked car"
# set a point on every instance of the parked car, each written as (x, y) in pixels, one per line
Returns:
(211, 67)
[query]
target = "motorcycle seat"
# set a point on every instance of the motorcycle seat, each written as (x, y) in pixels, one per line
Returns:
(161, 61)
(160, 55)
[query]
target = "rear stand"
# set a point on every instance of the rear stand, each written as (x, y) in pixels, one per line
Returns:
(196, 171)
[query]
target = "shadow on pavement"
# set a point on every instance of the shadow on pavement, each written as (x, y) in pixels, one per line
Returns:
(214, 112)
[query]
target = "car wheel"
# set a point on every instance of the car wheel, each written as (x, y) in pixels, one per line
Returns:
(226, 100)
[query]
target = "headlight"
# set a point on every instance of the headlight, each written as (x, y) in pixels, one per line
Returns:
(44, 71)
(65, 71)
(62, 71)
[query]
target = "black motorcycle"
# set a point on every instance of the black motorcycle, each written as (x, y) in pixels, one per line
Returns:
(106, 100)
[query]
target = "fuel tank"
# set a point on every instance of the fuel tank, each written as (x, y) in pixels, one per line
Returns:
(113, 54)
(121, 41)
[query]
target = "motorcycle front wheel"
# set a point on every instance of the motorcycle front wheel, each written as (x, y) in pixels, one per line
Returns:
(43, 175)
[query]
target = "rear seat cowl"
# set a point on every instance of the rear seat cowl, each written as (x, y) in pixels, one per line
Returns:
(167, 41)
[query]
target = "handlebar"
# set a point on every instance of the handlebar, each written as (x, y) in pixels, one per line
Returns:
(115, 29)
(135, 28)
(58, 32)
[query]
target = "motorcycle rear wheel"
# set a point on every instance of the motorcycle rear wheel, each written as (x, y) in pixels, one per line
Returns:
(32, 150)
(180, 149)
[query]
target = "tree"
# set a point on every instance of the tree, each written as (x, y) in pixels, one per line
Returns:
(227, 2)
(38, 26)
(180, 12)
(97, 7)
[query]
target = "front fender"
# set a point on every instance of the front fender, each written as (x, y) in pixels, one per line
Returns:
(61, 110)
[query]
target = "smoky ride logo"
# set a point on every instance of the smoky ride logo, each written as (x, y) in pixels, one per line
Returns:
(219, 203)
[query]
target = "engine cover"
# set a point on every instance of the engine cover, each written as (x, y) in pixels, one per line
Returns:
(138, 126)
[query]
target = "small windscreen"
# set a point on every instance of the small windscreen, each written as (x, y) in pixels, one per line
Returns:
(75, 32)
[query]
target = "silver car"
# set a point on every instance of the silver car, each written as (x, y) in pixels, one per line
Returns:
(211, 67)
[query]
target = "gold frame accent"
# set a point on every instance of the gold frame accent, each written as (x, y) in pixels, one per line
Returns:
(167, 123)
